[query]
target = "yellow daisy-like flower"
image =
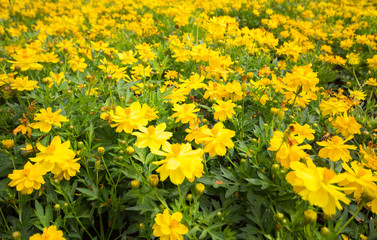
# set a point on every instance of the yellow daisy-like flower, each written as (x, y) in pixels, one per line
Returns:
(346, 125)
(28, 179)
(371, 82)
(168, 227)
(50, 233)
(223, 110)
(359, 95)
(128, 119)
(23, 83)
(358, 178)
(47, 118)
(152, 137)
(185, 113)
(288, 149)
(180, 162)
(316, 185)
(218, 139)
(335, 149)
(333, 106)
(57, 158)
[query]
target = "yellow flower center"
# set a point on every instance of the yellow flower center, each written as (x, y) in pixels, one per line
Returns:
(327, 175)
(50, 149)
(174, 224)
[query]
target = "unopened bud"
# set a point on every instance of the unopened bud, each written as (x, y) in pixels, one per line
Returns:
(310, 216)
(135, 184)
(154, 180)
(199, 188)
(101, 151)
(130, 150)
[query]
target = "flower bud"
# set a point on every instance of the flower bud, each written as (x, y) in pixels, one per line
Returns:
(153, 180)
(130, 150)
(135, 184)
(141, 226)
(281, 114)
(57, 206)
(101, 151)
(325, 231)
(8, 144)
(189, 197)
(97, 164)
(199, 188)
(16, 235)
(310, 216)
(80, 144)
(279, 216)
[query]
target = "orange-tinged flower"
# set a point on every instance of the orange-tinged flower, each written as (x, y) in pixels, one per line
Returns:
(180, 162)
(23, 83)
(316, 185)
(28, 179)
(50, 233)
(47, 118)
(218, 139)
(346, 125)
(335, 149)
(152, 137)
(168, 227)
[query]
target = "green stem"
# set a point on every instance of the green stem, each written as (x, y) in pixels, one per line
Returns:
(72, 209)
(5, 220)
(350, 219)
(354, 74)
(158, 197)
(107, 170)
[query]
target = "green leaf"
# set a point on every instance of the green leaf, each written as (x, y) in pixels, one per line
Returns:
(93, 195)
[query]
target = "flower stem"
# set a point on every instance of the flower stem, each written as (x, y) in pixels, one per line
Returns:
(350, 219)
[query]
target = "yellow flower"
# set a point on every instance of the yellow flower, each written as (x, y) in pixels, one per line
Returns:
(303, 132)
(57, 158)
(359, 95)
(333, 106)
(287, 147)
(217, 139)
(28, 179)
(127, 57)
(185, 112)
(26, 59)
(223, 110)
(180, 162)
(301, 76)
(371, 82)
(8, 144)
(128, 119)
(50, 233)
(357, 179)
(194, 82)
(347, 126)
(335, 149)
(168, 227)
(372, 62)
(47, 118)
(152, 137)
(21, 84)
(316, 185)
(77, 64)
